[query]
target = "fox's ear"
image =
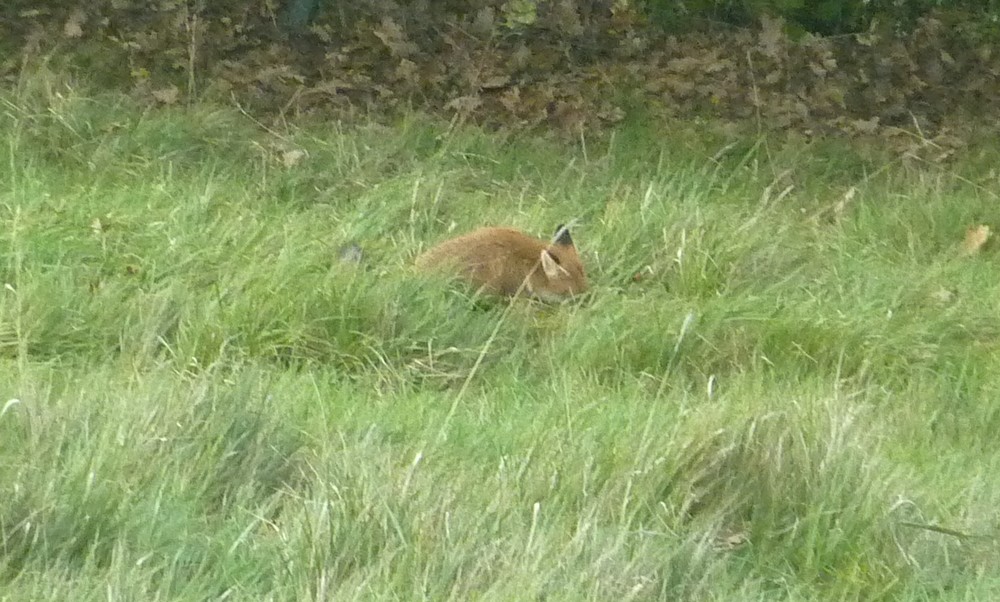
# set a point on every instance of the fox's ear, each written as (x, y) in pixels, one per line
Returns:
(562, 236)
(550, 265)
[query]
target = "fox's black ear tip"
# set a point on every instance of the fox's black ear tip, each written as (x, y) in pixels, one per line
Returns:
(562, 236)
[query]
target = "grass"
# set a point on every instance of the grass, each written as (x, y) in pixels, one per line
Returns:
(766, 397)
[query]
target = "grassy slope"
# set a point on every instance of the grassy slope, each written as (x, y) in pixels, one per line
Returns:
(211, 405)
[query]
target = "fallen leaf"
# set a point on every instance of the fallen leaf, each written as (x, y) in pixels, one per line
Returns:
(642, 274)
(511, 99)
(731, 540)
(841, 206)
(484, 22)
(464, 104)
(866, 126)
(943, 296)
(351, 253)
(74, 24)
(291, 158)
(392, 35)
(975, 238)
(408, 71)
(494, 82)
(772, 36)
(167, 96)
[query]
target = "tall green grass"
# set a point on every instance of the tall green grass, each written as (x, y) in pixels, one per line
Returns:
(768, 395)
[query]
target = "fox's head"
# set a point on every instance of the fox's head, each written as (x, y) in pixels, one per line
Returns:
(562, 273)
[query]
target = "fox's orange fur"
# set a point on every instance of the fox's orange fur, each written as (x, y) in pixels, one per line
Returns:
(503, 261)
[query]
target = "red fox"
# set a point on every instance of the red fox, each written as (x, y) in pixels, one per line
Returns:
(506, 262)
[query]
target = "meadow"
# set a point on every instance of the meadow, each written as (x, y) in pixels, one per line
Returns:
(783, 385)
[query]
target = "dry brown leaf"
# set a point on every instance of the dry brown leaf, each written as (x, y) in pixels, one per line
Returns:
(866, 126)
(520, 57)
(494, 82)
(611, 114)
(943, 296)
(408, 72)
(464, 104)
(484, 22)
(642, 274)
(167, 96)
(685, 64)
(566, 115)
(392, 35)
(350, 253)
(975, 238)
(841, 206)
(74, 24)
(772, 36)
(291, 158)
(731, 540)
(511, 99)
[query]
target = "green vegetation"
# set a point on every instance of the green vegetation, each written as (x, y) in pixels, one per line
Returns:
(779, 389)
(823, 16)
